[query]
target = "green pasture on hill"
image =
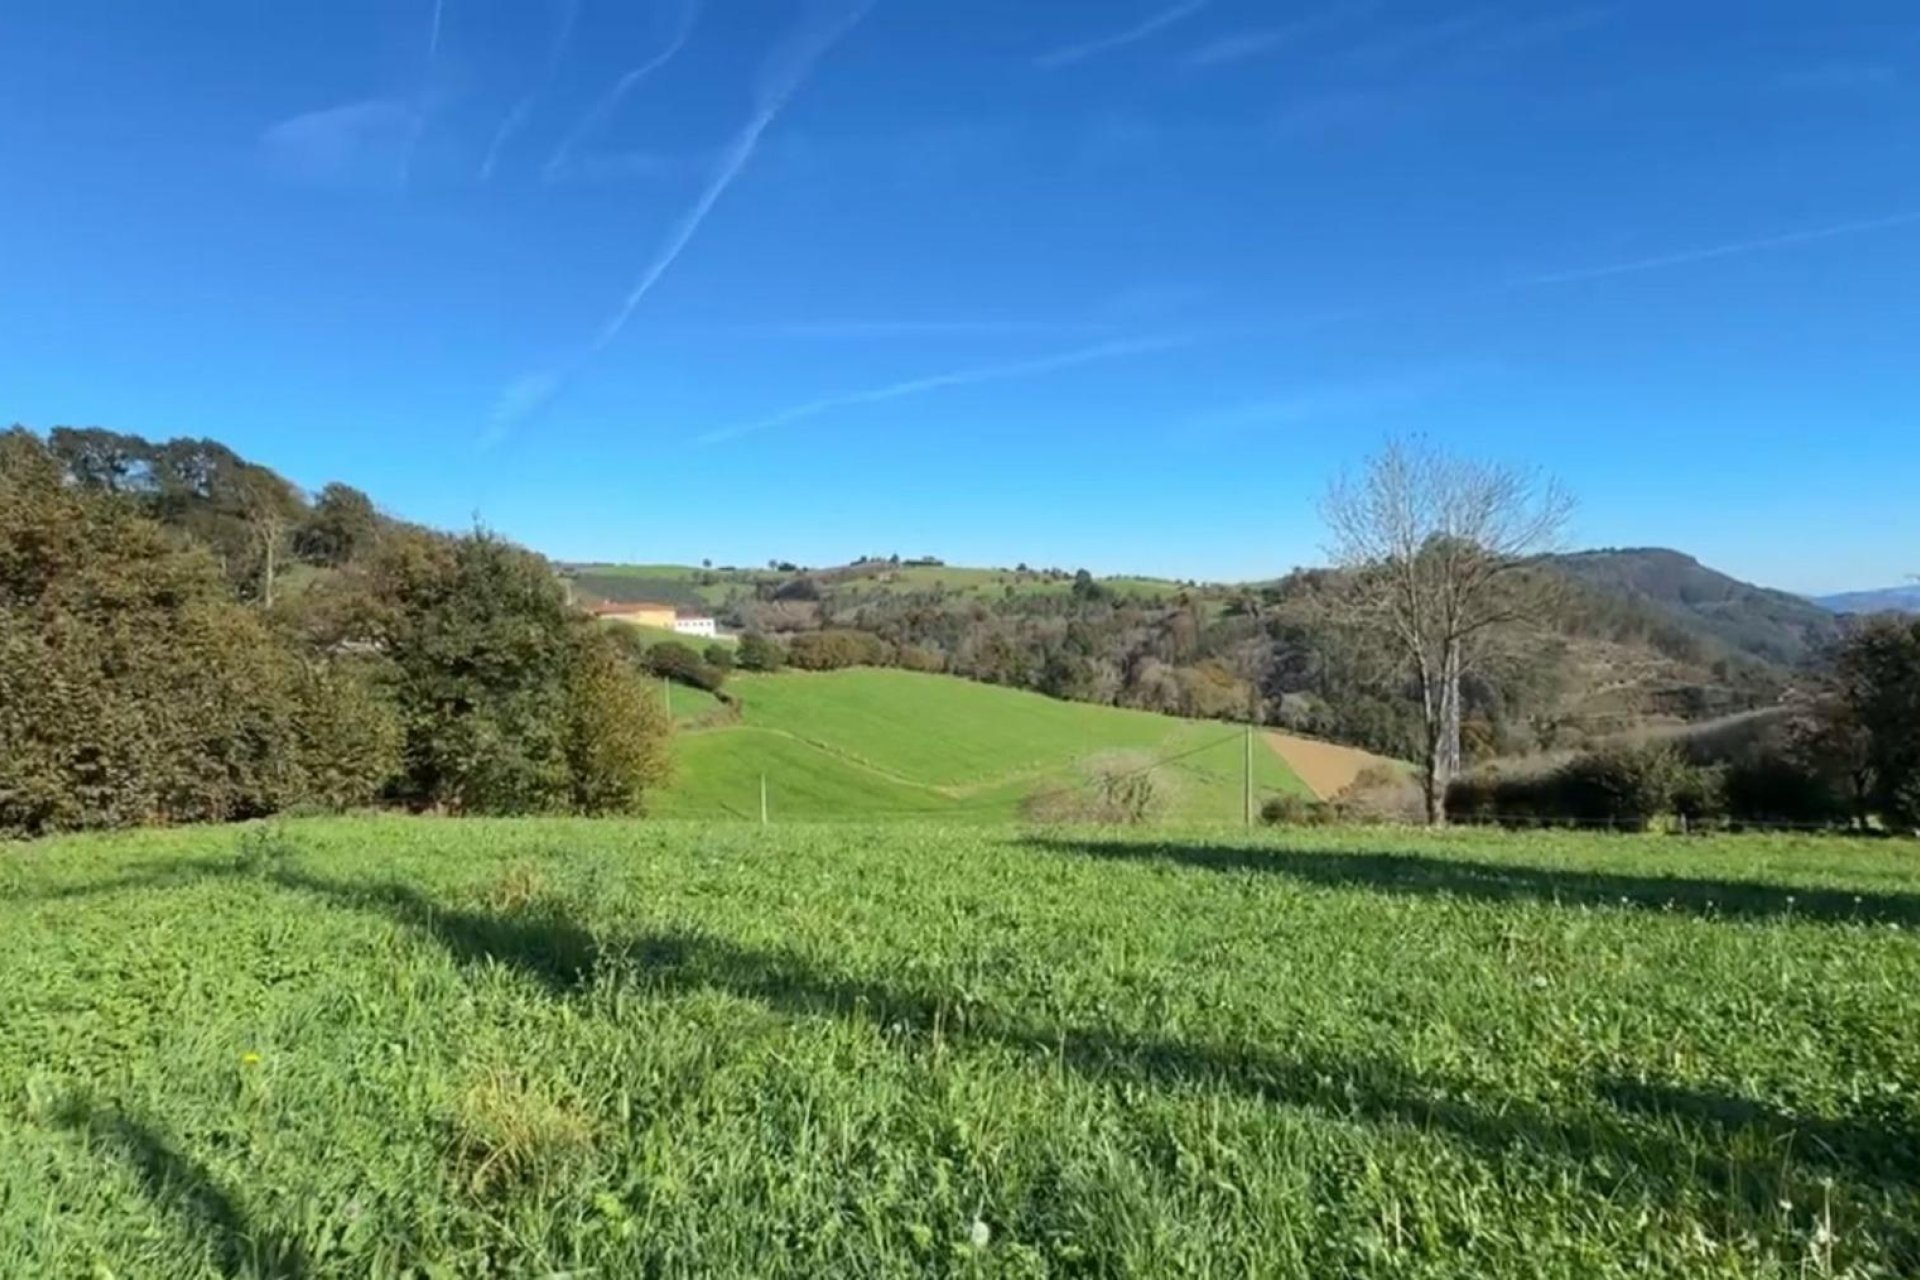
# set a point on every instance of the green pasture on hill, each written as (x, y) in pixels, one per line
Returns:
(867, 742)
(432, 1047)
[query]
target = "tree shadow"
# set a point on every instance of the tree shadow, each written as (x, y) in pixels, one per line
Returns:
(1421, 875)
(183, 1187)
(1883, 1149)
(1659, 1132)
(168, 876)
(541, 941)
(1676, 1145)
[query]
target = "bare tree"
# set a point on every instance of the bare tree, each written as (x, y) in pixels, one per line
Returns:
(1430, 542)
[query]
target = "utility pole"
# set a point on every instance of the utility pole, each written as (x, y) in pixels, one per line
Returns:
(1246, 779)
(763, 799)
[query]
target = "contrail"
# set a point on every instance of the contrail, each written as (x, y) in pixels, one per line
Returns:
(517, 118)
(774, 94)
(958, 378)
(1737, 249)
(508, 127)
(782, 80)
(689, 13)
(1158, 22)
(420, 113)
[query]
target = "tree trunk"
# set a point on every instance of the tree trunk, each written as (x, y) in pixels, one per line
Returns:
(1441, 704)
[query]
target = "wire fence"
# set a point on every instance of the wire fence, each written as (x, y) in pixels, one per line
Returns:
(1251, 809)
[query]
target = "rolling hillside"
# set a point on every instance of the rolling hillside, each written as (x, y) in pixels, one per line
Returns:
(867, 742)
(714, 588)
(1773, 626)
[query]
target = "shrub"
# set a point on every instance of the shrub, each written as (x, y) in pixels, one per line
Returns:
(835, 649)
(1122, 789)
(1383, 793)
(1288, 810)
(1771, 787)
(349, 737)
(617, 732)
(672, 660)
(757, 652)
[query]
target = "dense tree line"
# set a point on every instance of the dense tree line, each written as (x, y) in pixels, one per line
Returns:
(156, 666)
(1844, 752)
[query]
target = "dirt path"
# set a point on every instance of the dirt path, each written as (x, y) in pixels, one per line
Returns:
(1325, 767)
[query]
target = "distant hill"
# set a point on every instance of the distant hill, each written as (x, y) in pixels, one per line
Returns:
(714, 587)
(1774, 626)
(1885, 600)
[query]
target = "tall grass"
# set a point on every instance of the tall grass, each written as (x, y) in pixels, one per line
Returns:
(390, 1046)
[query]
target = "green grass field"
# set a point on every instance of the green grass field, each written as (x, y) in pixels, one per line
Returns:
(865, 742)
(390, 1046)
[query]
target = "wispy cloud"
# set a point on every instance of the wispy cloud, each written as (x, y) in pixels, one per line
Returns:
(516, 118)
(1239, 46)
(962, 328)
(1393, 46)
(1343, 111)
(1842, 78)
(1320, 406)
(1732, 249)
(433, 33)
(1541, 30)
(941, 381)
(610, 102)
(785, 72)
(515, 121)
(356, 144)
(1154, 24)
(523, 398)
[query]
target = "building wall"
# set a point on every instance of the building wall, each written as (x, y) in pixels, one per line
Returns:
(694, 626)
(662, 618)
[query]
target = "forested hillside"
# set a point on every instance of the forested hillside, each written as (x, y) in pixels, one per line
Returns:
(1773, 626)
(1600, 663)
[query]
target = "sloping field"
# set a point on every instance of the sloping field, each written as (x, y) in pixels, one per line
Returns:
(867, 741)
(432, 1047)
(1327, 768)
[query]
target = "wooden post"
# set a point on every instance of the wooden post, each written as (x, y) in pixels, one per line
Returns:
(1246, 780)
(763, 799)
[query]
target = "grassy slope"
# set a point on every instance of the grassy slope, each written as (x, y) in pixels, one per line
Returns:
(536, 1047)
(847, 743)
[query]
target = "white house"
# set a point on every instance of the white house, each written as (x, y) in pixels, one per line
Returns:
(693, 624)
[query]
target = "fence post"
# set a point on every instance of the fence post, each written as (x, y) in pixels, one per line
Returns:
(763, 799)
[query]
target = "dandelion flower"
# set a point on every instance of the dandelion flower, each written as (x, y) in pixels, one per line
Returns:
(979, 1234)
(249, 1059)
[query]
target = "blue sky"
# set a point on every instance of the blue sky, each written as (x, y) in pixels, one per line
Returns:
(1115, 283)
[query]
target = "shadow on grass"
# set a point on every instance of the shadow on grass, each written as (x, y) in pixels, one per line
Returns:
(1420, 875)
(182, 1187)
(1726, 1156)
(541, 941)
(168, 875)
(1674, 1142)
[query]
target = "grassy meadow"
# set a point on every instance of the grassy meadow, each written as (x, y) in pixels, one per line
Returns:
(389, 1046)
(871, 742)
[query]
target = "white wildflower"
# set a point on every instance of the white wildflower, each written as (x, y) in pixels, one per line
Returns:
(979, 1234)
